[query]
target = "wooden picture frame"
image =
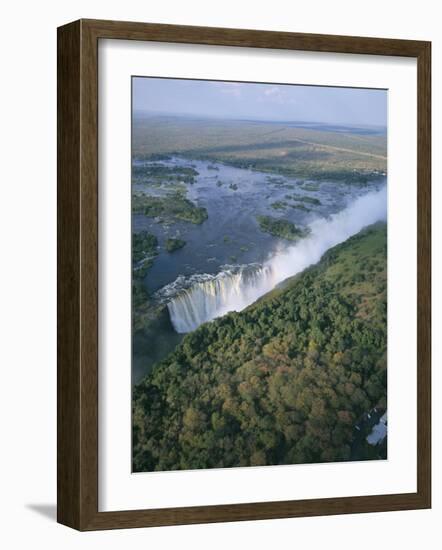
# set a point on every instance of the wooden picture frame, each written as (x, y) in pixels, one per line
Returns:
(78, 274)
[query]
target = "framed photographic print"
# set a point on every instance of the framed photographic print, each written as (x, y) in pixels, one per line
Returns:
(243, 275)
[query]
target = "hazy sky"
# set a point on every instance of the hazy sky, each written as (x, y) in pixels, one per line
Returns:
(260, 101)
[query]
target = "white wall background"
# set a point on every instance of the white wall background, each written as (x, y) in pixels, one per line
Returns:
(28, 274)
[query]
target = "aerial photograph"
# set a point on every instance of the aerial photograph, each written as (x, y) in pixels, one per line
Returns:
(259, 274)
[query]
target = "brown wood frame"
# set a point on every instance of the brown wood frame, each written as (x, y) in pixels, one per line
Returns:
(77, 459)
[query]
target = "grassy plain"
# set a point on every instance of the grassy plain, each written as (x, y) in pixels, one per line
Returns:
(275, 147)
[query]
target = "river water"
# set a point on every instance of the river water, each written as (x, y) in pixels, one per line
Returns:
(231, 235)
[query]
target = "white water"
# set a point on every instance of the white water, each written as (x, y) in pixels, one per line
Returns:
(233, 290)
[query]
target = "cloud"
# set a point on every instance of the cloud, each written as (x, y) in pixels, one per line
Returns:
(279, 95)
(273, 91)
(233, 89)
(273, 94)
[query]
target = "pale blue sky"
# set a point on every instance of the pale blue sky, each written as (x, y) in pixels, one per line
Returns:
(235, 100)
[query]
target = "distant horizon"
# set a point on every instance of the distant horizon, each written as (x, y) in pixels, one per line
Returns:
(290, 103)
(255, 119)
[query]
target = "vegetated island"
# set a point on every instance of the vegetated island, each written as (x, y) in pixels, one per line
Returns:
(307, 199)
(279, 205)
(157, 174)
(310, 186)
(282, 228)
(174, 244)
(144, 244)
(283, 382)
(173, 206)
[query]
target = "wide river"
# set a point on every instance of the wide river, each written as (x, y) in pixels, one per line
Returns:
(233, 198)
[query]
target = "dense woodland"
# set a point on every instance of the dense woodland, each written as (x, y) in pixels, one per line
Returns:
(282, 382)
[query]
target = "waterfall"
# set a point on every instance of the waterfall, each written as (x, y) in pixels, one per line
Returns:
(209, 296)
(232, 289)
